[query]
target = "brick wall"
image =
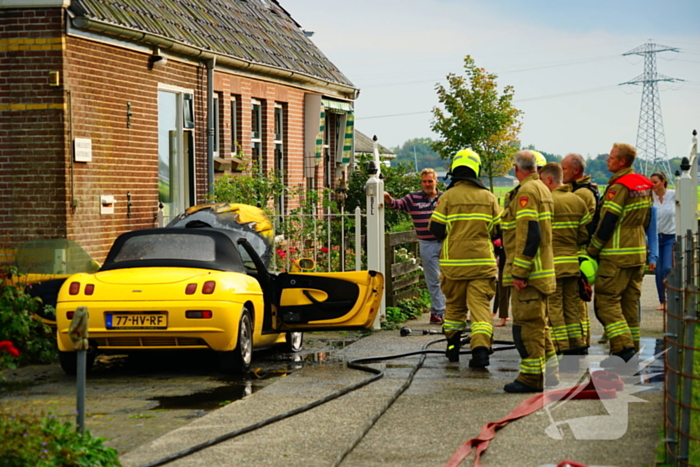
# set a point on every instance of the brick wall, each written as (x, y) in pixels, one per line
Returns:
(45, 194)
(32, 131)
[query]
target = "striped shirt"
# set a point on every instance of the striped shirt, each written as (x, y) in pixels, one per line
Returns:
(420, 207)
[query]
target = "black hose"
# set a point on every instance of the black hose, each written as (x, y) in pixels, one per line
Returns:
(354, 364)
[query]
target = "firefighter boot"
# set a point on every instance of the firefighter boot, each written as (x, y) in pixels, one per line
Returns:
(480, 358)
(624, 362)
(453, 344)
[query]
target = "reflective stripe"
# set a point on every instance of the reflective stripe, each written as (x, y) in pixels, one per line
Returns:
(574, 331)
(468, 217)
(468, 262)
(565, 259)
(523, 263)
(610, 206)
(635, 333)
(546, 273)
(438, 216)
(526, 213)
(559, 333)
(482, 327)
(565, 225)
(532, 366)
(621, 251)
(449, 325)
(617, 329)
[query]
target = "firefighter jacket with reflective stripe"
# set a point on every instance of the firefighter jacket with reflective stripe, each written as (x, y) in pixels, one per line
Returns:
(624, 217)
(569, 231)
(469, 213)
(526, 222)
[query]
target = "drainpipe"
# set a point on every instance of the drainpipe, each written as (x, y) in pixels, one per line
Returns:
(210, 122)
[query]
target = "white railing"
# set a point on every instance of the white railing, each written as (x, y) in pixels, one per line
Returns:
(323, 237)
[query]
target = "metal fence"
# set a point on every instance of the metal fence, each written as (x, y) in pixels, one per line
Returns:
(682, 357)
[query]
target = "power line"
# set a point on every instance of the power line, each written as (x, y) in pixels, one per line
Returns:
(651, 142)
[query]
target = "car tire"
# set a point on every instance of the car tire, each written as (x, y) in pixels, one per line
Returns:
(237, 361)
(293, 342)
(69, 361)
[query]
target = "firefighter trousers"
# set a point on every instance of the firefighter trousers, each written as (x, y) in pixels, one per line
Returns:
(617, 293)
(565, 315)
(463, 296)
(531, 337)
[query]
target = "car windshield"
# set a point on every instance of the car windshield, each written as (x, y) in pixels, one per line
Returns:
(168, 246)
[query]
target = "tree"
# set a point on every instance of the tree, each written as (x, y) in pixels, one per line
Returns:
(475, 115)
(418, 154)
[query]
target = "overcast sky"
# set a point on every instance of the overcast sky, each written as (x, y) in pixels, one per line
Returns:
(563, 57)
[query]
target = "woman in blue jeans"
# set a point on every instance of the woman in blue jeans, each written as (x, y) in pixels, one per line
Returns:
(665, 202)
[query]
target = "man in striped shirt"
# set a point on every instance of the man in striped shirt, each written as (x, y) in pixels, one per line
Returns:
(420, 206)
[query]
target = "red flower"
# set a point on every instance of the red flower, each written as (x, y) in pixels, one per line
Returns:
(324, 250)
(9, 347)
(281, 253)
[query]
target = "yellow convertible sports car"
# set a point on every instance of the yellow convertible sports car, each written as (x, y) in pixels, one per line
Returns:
(206, 288)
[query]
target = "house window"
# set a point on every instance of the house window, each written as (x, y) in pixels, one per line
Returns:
(280, 162)
(256, 132)
(176, 172)
(235, 136)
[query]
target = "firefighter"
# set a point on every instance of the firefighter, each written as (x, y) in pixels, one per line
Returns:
(540, 160)
(573, 166)
(619, 243)
(527, 236)
(569, 232)
(464, 220)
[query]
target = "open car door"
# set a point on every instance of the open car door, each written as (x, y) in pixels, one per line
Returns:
(328, 301)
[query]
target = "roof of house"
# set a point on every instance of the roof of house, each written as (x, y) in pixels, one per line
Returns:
(257, 32)
(365, 145)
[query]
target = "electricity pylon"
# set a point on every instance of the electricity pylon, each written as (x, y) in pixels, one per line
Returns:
(651, 142)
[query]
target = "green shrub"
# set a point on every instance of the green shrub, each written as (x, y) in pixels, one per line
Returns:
(408, 309)
(34, 339)
(49, 442)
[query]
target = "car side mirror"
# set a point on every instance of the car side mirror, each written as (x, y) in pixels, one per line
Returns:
(303, 264)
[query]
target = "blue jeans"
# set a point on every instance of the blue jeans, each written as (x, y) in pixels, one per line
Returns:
(430, 256)
(663, 266)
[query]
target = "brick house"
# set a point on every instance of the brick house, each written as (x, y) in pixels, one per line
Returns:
(110, 108)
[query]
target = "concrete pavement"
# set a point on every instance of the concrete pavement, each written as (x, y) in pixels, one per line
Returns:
(446, 404)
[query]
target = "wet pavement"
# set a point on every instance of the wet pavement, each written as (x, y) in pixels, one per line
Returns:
(131, 400)
(165, 411)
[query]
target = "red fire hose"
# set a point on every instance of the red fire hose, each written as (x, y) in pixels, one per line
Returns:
(602, 385)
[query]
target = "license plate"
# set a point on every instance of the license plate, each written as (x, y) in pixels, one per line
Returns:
(136, 321)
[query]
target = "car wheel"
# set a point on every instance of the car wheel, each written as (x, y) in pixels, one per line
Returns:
(69, 361)
(238, 360)
(293, 342)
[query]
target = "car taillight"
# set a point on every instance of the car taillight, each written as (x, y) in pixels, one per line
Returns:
(190, 289)
(199, 314)
(69, 314)
(208, 287)
(89, 289)
(74, 288)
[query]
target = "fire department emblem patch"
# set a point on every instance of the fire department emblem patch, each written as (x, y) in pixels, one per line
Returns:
(524, 201)
(611, 194)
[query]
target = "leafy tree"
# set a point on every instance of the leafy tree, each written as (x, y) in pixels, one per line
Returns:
(475, 115)
(418, 154)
